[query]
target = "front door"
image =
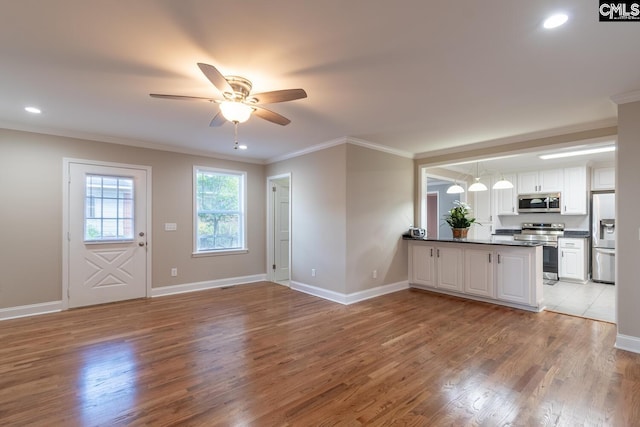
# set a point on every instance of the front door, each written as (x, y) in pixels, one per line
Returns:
(107, 234)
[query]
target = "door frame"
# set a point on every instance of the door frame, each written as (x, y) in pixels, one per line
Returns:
(270, 229)
(66, 162)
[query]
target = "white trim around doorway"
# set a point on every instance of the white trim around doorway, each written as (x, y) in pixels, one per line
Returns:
(270, 230)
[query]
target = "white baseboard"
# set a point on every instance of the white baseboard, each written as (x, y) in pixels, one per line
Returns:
(30, 310)
(628, 343)
(376, 292)
(209, 284)
(347, 299)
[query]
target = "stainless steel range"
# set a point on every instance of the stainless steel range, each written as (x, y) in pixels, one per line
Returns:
(547, 234)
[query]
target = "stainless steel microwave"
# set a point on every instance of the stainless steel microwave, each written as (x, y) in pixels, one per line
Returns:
(539, 202)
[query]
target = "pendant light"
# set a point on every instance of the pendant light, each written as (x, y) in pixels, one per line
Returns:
(477, 186)
(455, 189)
(502, 184)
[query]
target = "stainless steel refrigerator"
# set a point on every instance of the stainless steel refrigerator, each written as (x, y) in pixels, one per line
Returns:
(603, 237)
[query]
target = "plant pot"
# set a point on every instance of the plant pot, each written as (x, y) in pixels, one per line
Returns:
(460, 233)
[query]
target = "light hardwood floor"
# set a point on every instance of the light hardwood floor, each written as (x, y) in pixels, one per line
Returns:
(264, 355)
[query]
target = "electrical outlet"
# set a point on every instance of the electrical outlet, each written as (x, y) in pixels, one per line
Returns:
(374, 274)
(313, 272)
(174, 272)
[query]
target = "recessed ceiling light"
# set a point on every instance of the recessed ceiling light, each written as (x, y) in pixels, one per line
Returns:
(242, 147)
(33, 110)
(578, 153)
(555, 20)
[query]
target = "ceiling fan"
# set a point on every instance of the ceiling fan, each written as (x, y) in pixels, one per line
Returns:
(237, 102)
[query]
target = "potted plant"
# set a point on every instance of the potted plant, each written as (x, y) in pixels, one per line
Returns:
(459, 219)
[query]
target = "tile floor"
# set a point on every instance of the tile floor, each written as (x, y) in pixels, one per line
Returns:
(591, 300)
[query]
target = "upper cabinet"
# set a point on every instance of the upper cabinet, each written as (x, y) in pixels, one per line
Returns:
(575, 195)
(544, 181)
(603, 179)
(506, 200)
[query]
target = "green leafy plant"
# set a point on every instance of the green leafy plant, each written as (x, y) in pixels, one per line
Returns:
(459, 216)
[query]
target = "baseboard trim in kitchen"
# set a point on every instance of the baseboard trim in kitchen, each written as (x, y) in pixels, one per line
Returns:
(347, 299)
(628, 343)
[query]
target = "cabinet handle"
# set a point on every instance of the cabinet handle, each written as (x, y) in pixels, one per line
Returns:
(489, 258)
(562, 253)
(513, 209)
(438, 252)
(498, 258)
(431, 252)
(565, 208)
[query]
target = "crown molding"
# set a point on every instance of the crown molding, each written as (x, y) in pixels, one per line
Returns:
(123, 141)
(377, 147)
(627, 97)
(312, 149)
(340, 141)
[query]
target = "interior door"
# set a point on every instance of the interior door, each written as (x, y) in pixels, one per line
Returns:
(281, 231)
(107, 213)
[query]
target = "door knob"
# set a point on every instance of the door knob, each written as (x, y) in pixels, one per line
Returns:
(141, 244)
(141, 233)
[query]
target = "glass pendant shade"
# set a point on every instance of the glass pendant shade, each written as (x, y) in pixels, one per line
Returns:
(235, 111)
(455, 189)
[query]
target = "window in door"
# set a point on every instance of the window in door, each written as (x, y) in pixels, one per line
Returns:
(219, 199)
(108, 208)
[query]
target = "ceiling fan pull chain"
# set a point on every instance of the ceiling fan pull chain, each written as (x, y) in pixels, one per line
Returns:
(235, 133)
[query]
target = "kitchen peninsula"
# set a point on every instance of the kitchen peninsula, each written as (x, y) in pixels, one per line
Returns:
(500, 272)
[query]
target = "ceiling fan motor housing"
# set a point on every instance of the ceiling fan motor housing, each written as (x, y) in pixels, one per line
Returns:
(241, 88)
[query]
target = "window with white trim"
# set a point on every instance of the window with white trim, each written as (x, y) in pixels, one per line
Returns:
(219, 210)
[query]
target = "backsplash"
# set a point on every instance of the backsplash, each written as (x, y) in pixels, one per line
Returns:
(572, 222)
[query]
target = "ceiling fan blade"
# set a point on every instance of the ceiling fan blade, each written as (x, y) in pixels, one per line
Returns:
(269, 115)
(218, 120)
(181, 98)
(215, 77)
(278, 96)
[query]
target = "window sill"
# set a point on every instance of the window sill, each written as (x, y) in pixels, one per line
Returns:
(218, 253)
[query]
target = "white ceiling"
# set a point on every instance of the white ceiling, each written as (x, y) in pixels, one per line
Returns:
(415, 76)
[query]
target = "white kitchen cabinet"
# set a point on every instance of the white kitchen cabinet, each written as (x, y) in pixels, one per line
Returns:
(482, 230)
(506, 200)
(603, 178)
(482, 211)
(573, 261)
(545, 181)
(575, 194)
(449, 268)
(422, 266)
(507, 275)
(513, 276)
(481, 207)
(478, 267)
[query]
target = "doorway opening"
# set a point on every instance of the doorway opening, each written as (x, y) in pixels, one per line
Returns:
(279, 229)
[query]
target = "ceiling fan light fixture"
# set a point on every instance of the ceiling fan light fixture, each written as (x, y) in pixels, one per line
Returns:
(235, 111)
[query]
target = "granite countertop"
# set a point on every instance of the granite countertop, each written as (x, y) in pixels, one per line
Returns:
(474, 241)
